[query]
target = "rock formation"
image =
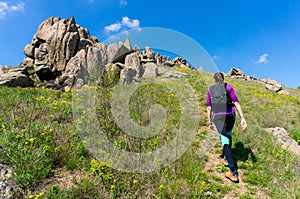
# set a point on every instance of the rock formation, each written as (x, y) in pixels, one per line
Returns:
(236, 73)
(270, 84)
(61, 51)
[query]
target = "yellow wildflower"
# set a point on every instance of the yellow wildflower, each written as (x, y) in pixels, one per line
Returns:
(67, 89)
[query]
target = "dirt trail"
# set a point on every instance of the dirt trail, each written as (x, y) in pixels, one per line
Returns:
(215, 167)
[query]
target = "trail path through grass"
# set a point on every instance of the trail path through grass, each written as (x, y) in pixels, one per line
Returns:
(216, 170)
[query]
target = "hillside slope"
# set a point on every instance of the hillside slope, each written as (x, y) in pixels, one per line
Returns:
(39, 140)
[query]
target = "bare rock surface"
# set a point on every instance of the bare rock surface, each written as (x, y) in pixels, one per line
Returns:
(15, 77)
(282, 135)
(270, 83)
(8, 188)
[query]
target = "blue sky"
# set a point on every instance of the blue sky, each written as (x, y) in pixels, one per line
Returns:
(262, 38)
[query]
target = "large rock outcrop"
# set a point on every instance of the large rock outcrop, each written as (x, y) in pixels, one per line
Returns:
(62, 51)
(55, 43)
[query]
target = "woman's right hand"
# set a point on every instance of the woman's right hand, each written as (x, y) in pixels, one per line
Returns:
(243, 123)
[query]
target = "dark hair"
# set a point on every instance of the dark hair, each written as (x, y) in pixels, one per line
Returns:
(219, 77)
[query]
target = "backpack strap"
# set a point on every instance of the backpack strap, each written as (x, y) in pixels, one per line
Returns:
(228, 94)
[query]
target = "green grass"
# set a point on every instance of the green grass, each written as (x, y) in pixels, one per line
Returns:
(38, 136)
(35, 137)
(295, 134)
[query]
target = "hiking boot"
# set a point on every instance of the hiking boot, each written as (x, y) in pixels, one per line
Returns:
(231, 176)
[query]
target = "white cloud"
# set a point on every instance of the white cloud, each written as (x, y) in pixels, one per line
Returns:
(263, 59)
(113, 27)
(215, 57)
(123, 2)
(130, 23)
(6, 8)
(125, 24)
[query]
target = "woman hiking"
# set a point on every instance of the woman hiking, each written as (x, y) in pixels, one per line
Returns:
(221, 104)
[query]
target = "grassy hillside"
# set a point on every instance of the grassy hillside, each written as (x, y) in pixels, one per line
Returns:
(39, 139)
